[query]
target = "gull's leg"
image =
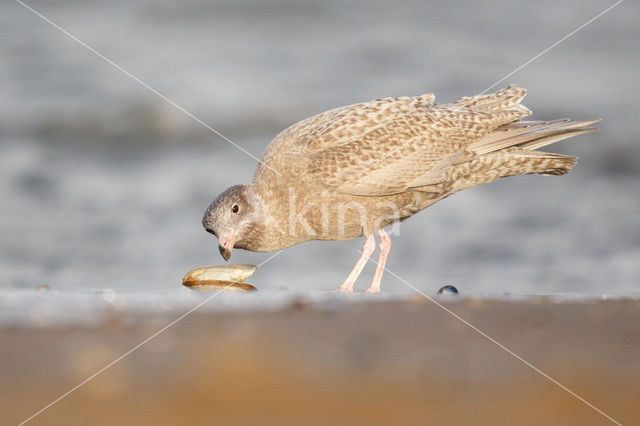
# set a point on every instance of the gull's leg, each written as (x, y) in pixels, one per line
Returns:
(367, 250)
(385, 248)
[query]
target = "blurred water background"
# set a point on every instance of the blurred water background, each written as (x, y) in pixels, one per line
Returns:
(103, 184)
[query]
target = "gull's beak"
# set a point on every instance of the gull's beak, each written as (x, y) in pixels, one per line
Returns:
(225, 252)
(225, 244)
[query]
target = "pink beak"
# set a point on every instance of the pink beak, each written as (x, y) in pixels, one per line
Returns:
(225, 244)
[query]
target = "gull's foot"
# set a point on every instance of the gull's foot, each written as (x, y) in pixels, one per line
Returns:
(372, 290)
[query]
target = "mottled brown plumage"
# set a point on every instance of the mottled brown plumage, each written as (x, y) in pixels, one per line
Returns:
(351, 171)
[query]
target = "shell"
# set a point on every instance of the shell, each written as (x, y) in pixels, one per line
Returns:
(208, 285)
(234, 273)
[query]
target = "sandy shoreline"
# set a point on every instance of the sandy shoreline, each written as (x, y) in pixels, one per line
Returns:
(371, 362)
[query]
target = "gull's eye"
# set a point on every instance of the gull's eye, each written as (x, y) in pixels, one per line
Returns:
(235, 208)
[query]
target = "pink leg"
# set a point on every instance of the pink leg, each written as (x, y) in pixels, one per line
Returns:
(385, 248)
(367, 250)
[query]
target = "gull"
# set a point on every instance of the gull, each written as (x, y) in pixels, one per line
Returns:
(352, 171)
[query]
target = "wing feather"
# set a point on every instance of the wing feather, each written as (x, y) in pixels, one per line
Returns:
(389, 145)
(423, 153)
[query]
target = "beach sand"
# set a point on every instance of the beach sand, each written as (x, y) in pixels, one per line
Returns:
(366, 361)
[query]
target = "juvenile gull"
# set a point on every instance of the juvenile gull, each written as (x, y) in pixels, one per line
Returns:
(351, 171)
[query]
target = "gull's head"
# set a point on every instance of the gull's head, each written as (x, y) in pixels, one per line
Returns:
(231, 217)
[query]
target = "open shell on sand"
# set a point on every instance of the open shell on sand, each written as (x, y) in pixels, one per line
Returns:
(219, 285)
(227, 277)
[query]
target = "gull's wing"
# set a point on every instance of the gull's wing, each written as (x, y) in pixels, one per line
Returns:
(413, 149)
(334, 128)
(386, 146)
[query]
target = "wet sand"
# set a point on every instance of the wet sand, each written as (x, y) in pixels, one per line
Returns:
(368, 362)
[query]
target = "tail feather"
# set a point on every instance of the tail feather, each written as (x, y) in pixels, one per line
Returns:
(530, 134)
(500, 164)
(511, 148)
(544, 163)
